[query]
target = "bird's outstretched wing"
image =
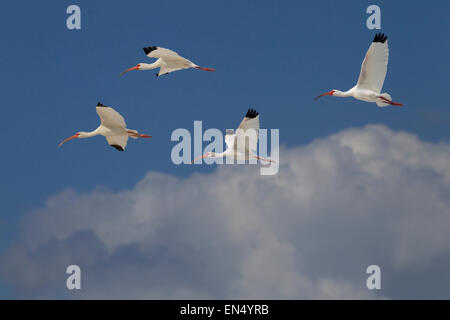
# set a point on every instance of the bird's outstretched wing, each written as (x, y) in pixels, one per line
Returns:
(158, 52)
(118, 142)
(110, 117)
(229, 138)
(167, 69)
(248, 129)
(374, 66)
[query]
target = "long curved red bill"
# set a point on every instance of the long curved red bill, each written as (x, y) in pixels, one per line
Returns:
(72, 137)
(134, 68)
(198, 158)
(324, 94)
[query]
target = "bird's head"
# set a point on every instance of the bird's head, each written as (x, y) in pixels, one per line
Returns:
(333, 92)
(80, 134)
(140, 66)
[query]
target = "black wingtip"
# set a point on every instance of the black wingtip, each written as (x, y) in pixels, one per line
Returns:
(380, 37)
(99, 104)
(251, 113)
(117, 147)
(147, 50)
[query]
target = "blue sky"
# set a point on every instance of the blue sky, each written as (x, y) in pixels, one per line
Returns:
(274, 56)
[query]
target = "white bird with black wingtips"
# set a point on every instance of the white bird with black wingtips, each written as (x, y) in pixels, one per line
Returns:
(112, 127)
(168, 61)
(371, 77)
(237, 146)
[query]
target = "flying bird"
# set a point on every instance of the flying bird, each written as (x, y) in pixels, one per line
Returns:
(168, 61)
(371, 77)
(242, 143)
(112, 127)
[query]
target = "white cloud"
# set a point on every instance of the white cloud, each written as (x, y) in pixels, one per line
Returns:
(362, 196)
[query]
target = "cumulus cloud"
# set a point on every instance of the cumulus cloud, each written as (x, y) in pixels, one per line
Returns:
(339, 204)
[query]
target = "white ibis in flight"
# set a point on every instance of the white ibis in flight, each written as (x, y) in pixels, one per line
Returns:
(168, 61)
(371, 77)
(112, 127)
(238, 147)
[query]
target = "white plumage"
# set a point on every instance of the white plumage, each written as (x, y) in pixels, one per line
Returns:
(371, 77)
(244, 140)
(112, 127)
(242, 143)
(167, 60)
(374, 67)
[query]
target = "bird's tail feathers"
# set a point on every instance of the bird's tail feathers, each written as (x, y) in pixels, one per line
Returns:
(132, 133)
(382, 103)
(386, 100)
